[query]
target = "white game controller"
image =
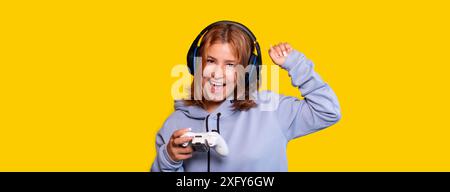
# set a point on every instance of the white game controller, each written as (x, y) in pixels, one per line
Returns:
(203, 141)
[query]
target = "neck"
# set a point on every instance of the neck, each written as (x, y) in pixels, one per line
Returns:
(212, 105)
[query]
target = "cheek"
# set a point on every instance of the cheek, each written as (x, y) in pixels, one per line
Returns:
(204, 80)
(208, 70)
(230, 75)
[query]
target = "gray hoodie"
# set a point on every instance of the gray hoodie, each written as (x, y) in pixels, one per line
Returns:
(257, 138)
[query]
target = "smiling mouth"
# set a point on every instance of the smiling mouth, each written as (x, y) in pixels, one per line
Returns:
(217, 83)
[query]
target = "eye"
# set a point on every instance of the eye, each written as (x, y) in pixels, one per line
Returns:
(209, 61)
(230, 64)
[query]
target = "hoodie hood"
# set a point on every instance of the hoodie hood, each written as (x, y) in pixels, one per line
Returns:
(225, 109)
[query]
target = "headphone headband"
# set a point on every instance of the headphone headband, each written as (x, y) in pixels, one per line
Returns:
(241, 26)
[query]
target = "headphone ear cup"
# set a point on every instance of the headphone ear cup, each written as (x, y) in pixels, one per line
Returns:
(191, 59)
(193, 53)
(253, 68)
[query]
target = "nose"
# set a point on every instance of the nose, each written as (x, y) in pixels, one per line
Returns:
(217, 72)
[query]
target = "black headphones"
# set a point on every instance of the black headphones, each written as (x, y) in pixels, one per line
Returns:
(255, 60)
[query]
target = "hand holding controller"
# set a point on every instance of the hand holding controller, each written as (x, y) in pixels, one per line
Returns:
(203, 141)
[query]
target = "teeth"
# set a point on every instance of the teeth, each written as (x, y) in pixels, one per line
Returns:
(214, 83)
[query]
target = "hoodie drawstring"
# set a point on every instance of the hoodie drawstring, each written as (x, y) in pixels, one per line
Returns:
(209, 154)
(218, 123)
(207, 130)
(218, 120)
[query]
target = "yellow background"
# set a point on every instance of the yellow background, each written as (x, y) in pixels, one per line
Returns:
(85, 85)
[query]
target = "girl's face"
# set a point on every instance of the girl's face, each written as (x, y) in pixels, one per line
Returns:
(219, 73)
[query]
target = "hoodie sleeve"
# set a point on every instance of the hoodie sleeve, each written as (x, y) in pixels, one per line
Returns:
(163, 162)
(319, 108)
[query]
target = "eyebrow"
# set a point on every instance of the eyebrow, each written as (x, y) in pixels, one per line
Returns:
(226, 61)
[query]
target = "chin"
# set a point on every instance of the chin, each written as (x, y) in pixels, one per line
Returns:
(214, 97)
